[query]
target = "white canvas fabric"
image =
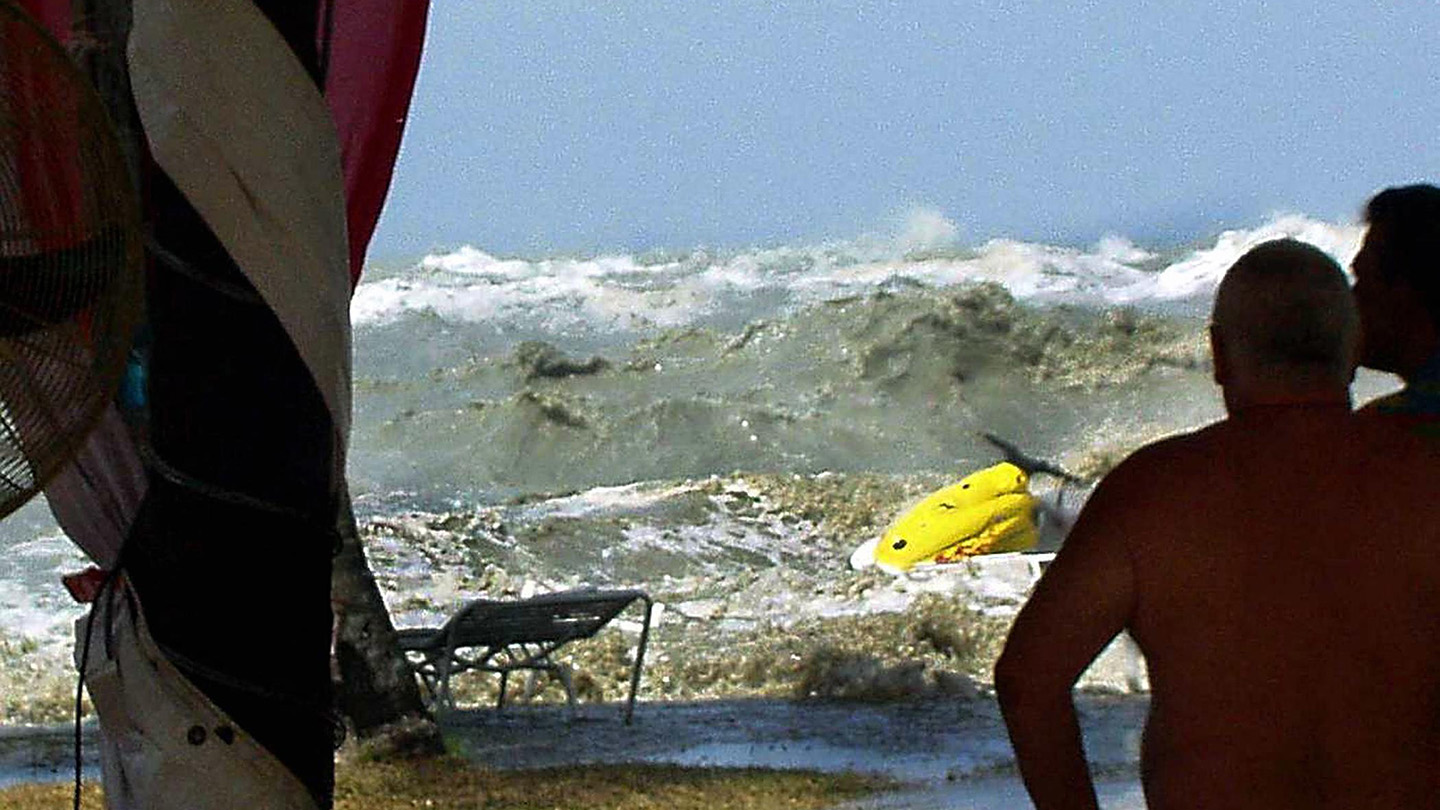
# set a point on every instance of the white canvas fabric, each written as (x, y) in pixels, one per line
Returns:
(231, 115)
(164, 745)
(95, 497)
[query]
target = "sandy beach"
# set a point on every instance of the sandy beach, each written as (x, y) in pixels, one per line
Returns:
(943, 753)
(877, 693)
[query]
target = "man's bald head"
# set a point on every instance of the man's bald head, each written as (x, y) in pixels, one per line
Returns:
(1285, 311)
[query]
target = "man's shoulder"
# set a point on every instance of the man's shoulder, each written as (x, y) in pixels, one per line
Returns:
(1167, 457)
(1136, 501)
(1175, 448)
(1414, 409)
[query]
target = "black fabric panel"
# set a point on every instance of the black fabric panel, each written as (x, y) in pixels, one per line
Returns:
(239, 589)
(231, 401)
(246, 595)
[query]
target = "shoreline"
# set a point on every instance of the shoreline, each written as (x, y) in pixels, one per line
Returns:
(918, 740)
(938, 750)
(46, 753)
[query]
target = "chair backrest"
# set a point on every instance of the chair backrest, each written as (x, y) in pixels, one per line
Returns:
(547, 618)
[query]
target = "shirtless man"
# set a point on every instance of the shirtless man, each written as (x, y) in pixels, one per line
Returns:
(1280, 570)
(1397, 289)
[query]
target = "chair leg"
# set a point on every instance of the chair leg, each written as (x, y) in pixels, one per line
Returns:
(504, 681)
(563, 673)
(444, 700)
(532, 685)
(430, 678)
(639, 660)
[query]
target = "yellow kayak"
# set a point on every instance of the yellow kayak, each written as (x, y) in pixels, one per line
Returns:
(987, 512)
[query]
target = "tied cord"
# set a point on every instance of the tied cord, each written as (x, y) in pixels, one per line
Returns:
(102, 594)
(102, 597)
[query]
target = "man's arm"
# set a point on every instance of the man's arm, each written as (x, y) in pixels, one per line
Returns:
(1081, 603)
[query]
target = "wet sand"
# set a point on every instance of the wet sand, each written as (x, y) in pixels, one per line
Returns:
(994, 793)
(47, 753)
(945, 753)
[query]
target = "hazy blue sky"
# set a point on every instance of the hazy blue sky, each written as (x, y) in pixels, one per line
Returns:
(542, 127)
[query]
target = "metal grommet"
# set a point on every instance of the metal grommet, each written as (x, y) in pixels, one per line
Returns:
(196, 735)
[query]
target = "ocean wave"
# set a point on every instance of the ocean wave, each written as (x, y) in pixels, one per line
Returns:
(626, 292)
(887, 381)
(1199, 273)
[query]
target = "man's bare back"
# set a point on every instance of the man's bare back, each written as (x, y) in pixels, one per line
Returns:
(1280, 571)
(1287, 608)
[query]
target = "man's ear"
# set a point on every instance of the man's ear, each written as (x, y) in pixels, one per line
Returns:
(1219, 360)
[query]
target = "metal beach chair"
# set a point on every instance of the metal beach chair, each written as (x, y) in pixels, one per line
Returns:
(505, 636)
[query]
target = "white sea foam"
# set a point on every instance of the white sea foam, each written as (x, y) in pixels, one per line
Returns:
(619, 292)
(471, 286)
(634, 497)
(927, 229)
(1199, 273)
(32, 602)
(1116, 248)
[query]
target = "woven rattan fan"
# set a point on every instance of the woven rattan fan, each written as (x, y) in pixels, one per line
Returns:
(70, 258)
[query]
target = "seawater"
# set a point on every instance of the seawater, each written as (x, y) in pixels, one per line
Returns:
(480, 378)
(721, 427)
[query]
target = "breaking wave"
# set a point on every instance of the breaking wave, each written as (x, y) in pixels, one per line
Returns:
(661, 290)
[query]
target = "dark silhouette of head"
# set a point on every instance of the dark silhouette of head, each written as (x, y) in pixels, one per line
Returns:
(1397, 279)
(1284, 325)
